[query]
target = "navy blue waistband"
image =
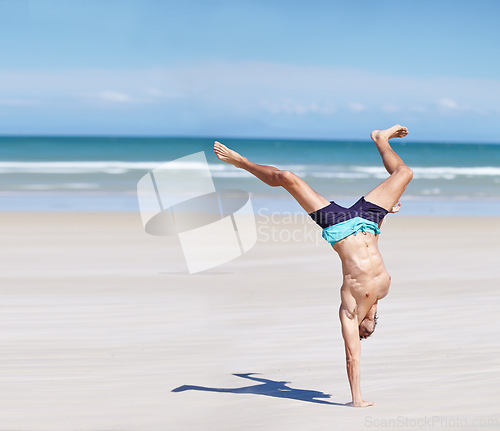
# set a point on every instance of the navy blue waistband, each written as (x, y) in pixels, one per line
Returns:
(334, 213)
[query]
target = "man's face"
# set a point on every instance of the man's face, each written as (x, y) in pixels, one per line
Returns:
(366, 328)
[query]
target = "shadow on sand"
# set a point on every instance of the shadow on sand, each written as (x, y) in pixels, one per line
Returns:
(270, 388)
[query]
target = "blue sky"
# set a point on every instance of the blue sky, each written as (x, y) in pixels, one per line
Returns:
(274, 68)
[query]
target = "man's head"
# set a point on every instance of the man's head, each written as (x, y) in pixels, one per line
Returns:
(367, 326)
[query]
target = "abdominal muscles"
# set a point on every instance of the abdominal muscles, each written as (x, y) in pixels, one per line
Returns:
(364, 272)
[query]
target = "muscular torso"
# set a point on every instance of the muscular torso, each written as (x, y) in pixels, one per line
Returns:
(365, 279)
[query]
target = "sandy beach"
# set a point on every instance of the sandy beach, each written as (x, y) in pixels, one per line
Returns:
(102, 328)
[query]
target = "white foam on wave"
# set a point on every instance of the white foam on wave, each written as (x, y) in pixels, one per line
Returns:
(340, 175)
(108, 167)
(223, 170)
(436, 172)
(58, 186)
(111, 167)
(431, 192)
(232, 174)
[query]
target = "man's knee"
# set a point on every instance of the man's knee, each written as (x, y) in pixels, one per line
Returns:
(285, 178)
(404, 172)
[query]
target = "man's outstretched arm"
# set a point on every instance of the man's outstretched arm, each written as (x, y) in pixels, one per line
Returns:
(350, 333)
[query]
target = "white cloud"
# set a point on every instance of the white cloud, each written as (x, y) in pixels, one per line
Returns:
(158, 93)
(284, 87)
(447, 103)
(356, 107)
(232, 96)
(418, 108)
(114, 96)
(390, 108)
(154, 92)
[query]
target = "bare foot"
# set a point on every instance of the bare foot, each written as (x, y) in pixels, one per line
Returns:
(396, 131)
(226, 155)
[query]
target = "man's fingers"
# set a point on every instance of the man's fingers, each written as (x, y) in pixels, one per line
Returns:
(396, 208)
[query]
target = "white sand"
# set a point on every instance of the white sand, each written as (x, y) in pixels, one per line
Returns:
(100, 322)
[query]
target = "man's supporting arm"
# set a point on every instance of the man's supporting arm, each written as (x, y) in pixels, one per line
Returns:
(350, 333)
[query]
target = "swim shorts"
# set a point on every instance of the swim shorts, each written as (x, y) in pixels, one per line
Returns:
(339, 222)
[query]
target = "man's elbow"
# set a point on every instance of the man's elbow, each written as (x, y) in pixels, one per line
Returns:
(351, 360)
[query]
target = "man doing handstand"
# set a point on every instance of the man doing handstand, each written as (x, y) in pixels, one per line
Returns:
(353, 233)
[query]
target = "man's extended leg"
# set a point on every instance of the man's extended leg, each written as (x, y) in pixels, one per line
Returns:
(388, 193)
(298, 188)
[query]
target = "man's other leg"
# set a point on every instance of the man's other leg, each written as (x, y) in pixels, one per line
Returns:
(388, 193)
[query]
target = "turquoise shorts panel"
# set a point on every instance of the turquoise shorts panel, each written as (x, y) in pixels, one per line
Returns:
(342, 230)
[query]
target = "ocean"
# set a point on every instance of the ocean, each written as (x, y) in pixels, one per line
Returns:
(101, 173)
